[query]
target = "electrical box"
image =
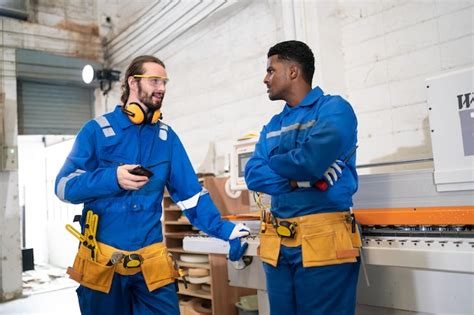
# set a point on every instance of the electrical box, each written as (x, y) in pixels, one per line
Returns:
(9, 159)
(243, 150)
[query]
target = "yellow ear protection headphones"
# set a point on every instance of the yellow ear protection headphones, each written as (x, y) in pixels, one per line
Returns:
(137, 115)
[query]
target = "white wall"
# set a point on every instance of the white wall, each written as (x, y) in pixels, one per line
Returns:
(62, 246)
(390, 48)
(375, 53)
(32, 187)
(216, 91)
(40, 159)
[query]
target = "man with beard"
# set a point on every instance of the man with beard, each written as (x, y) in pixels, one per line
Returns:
(309, 242)
(118, 167)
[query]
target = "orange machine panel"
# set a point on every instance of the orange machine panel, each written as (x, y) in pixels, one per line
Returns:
(450, 215)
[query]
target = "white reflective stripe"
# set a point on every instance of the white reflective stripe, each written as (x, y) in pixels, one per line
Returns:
(102, 121)
(308, 124)
(105, 125)
(191, 202)
(273, 134)
(304, 184)
(108, 131)
(291, 127)
(63, 181)
(163, 134)
(163, 126)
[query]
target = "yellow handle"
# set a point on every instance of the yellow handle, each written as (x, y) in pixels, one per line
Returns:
(75, 233)
(94, 223)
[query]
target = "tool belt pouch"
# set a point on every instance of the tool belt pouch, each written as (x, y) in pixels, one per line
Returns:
(269, 249)
(158, 271)
(89, 273)
(328, 244)
(355, 237)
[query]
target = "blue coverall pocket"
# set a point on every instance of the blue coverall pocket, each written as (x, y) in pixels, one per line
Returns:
(116, 153)
(113, 161)
(158, 180)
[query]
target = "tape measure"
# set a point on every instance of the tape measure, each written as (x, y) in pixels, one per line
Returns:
(132, 261)
(286, 229)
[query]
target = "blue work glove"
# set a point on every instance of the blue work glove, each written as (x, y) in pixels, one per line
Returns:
(237, 249)
(334, 172)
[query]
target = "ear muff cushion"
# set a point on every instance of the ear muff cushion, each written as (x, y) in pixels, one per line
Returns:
(156, 116)
(138, 116)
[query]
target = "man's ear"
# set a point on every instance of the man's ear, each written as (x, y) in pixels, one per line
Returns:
(132, 82)
(294, 71)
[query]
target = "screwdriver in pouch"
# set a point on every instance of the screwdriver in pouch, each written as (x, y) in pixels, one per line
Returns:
(321, 184)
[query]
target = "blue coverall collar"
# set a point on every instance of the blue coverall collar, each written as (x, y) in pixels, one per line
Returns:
(122, 118)
(309, 100)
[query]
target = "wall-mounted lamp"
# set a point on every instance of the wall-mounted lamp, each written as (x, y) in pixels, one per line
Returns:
(104, 76)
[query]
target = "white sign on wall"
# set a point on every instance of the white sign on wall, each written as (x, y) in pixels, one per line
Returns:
(451, 115)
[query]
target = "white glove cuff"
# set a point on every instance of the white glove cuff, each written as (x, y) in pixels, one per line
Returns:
(239, 230)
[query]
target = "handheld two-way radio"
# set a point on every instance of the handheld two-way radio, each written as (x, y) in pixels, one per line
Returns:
(145, 170)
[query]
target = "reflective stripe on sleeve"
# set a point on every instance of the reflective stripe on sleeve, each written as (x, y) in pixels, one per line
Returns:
(63, 181)
(299, 126)
(105, 125)
(191, 202)
(163, 134)
(108, 132)
(102, 121)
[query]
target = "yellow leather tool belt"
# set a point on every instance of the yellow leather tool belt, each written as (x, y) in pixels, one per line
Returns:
(97, 273)
(325, 239)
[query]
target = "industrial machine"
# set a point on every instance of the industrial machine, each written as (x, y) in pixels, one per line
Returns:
(418, 245)
(243, 150)
(417, 226)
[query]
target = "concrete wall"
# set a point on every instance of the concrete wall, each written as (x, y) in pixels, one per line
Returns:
(216, 91)
(375, 53)
(390, 48)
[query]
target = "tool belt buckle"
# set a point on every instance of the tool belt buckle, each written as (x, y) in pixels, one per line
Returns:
(132, 261)
(286, 229)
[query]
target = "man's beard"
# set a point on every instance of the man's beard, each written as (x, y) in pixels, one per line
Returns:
(147, 99)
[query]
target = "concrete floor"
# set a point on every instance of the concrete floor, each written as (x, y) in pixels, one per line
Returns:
(60, 302)
(46, 290)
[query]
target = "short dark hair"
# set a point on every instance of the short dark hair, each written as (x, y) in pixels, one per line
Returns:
(136, 67)
(298, 52)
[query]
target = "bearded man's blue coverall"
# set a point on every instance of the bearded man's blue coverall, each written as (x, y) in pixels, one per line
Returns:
(300, 143)
(128, 219)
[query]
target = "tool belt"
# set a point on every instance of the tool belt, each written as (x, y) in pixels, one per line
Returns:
(325, 238)
(97, 272)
